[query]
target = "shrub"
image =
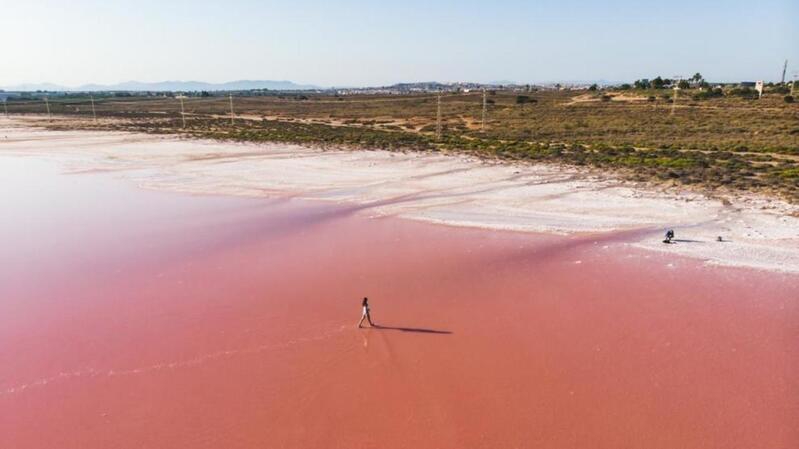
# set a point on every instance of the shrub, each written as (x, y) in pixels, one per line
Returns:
(524, 99)
(743, 92)
(787, 99)
(708, 93)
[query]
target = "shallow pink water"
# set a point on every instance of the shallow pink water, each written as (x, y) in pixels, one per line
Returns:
(131, 318)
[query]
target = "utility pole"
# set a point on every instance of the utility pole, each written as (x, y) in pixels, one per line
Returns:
(784, 68)
(674, 100)
(182, 111)
(438, 116)
(483, 123)
(94, 111)
(47, 104)
(676, 88)
(232, 115)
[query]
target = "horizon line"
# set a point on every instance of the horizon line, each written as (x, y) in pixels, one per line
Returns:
(57, 87)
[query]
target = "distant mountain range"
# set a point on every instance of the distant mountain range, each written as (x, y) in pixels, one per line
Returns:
(241, 85)
(164, 86)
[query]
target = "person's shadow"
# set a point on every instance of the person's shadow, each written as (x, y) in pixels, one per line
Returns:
(411, 329)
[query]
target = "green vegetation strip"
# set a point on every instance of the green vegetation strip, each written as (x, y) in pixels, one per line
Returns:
(709, 169)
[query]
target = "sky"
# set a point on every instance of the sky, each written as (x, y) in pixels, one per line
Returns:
(369, 43)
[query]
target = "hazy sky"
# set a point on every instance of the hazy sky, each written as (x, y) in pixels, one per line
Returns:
(355, 42)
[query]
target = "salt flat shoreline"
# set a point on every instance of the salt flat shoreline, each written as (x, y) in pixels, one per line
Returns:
(457, 190)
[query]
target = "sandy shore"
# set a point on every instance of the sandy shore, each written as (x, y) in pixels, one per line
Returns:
(456, 190)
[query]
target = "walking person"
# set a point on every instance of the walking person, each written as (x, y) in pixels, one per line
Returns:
(365, 305)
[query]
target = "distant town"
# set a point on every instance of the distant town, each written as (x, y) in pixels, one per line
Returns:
(194, 89)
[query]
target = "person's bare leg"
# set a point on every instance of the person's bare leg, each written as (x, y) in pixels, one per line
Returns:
(361, 322)
(369, 317)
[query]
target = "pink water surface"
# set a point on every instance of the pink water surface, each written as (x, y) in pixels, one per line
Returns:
(140, 319)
